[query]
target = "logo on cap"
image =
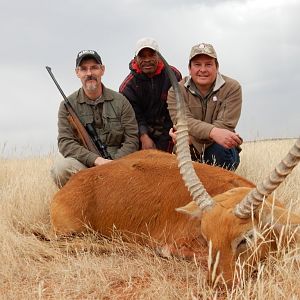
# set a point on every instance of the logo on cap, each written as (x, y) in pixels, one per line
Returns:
(87, 53)
(92, 52)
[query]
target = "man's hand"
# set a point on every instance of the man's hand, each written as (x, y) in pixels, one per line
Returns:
(172, 134)
(147, 142)
(101, 161)
(225, 137)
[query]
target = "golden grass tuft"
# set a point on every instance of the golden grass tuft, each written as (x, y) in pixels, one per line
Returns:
(259, 158)
(90, 267)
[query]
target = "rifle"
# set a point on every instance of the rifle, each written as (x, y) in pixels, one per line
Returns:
(87, 134)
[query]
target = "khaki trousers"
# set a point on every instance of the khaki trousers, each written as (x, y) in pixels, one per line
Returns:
(63, 168)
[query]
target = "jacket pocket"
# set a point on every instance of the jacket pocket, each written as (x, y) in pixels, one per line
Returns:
(86, 119)
(115, 137)
(114, 131)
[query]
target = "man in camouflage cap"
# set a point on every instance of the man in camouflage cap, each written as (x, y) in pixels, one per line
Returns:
(213, 104)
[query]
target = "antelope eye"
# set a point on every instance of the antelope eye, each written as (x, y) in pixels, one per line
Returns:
(242, 243)
(242, 246)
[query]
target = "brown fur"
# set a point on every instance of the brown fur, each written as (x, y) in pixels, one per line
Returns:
(138, 195)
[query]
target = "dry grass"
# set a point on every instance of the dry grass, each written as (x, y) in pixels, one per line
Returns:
(259, 158)
(95, 268)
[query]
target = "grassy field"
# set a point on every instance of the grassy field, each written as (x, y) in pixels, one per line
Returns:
(93, 268)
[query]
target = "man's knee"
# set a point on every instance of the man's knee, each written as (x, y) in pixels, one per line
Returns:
(63, 168)
(222, 157)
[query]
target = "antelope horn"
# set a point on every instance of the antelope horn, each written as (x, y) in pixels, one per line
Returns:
(187, 171)
(256, 196)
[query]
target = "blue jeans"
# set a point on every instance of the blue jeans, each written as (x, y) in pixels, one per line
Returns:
(218, 155)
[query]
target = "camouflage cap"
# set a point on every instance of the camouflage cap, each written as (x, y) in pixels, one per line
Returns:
(203, 48)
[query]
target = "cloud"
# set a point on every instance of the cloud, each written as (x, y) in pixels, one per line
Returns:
(257, 43)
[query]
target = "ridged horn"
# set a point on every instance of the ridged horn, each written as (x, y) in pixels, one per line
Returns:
(256, 196)
(187, 171)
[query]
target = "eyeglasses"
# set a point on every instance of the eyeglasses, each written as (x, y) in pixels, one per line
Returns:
(92, 69)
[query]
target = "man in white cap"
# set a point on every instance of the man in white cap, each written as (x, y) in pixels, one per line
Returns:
(213, 104)
(146, 88)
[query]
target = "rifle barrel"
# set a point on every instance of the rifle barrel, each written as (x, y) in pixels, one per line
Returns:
(56, 83)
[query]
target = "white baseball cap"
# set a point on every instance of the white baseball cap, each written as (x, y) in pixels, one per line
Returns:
(146, 42)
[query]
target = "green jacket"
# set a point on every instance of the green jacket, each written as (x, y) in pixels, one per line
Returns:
(112, 117)
(221, 108)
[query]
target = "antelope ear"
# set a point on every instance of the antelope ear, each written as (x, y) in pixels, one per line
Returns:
(191, 209)
(278, 217)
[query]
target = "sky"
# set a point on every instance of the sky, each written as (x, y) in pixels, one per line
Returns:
(257, 43)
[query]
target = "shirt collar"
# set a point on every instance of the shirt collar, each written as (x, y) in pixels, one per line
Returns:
(135, 67)
(106, 96)
(190, 85)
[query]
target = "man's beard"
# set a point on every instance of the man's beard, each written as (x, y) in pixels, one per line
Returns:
(91, 86)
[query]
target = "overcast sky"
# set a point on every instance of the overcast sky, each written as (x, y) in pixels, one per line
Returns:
(257, 42)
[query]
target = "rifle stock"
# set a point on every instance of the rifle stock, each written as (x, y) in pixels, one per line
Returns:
(75, 121)
(80, 129)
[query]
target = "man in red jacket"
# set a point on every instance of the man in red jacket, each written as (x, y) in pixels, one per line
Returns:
(146, 88)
